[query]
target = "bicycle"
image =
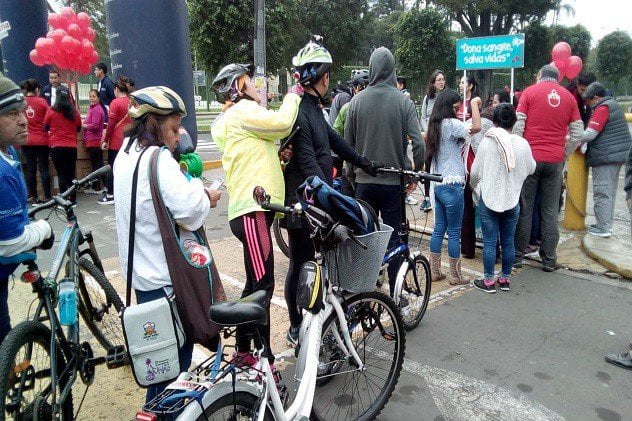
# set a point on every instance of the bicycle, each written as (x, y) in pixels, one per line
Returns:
(40, 363)
(411, 291)
(349, 342)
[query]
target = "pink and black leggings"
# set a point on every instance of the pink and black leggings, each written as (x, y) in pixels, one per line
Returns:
(253, 230)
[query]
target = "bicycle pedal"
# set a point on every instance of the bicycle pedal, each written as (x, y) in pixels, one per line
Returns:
(116, 357)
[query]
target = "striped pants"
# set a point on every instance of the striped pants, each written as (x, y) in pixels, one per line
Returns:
(253, 230)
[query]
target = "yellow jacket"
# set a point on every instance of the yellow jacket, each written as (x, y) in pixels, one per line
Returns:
(246, 133)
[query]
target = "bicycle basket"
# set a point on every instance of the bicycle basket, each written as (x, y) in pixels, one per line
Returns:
(355, 269)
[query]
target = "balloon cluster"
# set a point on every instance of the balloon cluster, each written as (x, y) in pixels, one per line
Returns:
(68, 45)
(566, 64)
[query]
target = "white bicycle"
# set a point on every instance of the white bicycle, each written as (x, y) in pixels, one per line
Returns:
(350, 352)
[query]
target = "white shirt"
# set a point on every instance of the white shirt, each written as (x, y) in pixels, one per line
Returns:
(53, 95)
(186, 200)
(499, 188)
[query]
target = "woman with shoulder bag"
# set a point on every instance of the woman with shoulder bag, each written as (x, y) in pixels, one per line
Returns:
(156, 114)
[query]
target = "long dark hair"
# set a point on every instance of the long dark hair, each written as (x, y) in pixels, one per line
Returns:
(64, 106)
(443, 108)
(505, 116)
(471, 81)
(431, 91)
(148, 129)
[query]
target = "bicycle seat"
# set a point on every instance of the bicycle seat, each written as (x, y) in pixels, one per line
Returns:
(250, 309)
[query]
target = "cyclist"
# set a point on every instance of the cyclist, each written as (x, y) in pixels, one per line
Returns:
(358, 82)
(17, 235)
(379, 122)
(245, 133)
(311, 157)
(156, 112)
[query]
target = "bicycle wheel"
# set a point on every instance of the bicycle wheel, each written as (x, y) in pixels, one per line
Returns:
(243, 407)
(25, 371)
(100, 305)
(378, 335)
(280, 235)
(415, 293)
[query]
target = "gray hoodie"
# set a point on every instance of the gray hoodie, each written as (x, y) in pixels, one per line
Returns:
(379, 120)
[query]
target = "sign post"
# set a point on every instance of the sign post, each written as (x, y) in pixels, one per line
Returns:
(497, 52)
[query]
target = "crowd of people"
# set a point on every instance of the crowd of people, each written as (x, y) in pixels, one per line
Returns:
(506, 161)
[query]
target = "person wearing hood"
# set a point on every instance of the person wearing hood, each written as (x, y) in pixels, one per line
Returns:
(246, 132)
(312, 146)
(379, 121)
(502, 163)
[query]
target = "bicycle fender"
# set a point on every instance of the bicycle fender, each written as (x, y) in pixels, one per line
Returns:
(193, 410)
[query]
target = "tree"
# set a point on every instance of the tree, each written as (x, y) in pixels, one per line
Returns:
(614, 57)
(577, 36)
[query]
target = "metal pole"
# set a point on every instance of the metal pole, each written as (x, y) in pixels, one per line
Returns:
(511, 87)
(260, 51)
(464, 95)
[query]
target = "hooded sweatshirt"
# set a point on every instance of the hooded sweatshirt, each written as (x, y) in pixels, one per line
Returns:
(379, 120)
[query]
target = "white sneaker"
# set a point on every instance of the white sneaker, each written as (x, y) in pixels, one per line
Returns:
(107, 199)
(411, 200)
(599, 233)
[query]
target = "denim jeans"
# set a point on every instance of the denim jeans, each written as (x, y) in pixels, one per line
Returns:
(185, 353)
(448, 217)
(493, 224)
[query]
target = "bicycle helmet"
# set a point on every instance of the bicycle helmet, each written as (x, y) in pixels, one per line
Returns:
(312, 62)
(226, 81)
(359, 78)
(155, 99)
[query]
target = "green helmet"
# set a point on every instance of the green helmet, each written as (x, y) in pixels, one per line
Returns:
(312, 62)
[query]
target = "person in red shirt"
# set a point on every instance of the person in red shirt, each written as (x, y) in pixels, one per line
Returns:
(36, 149)
(608, 142)
(62, 121)
(93, 126)
(546, 112)
(118, 122)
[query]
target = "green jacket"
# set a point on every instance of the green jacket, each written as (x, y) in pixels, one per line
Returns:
(341, 118)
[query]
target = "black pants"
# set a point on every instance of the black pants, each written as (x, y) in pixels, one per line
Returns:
(37, 159)
(65, 161)
(386, 202)
(301, 251)
(253, 230)
(468, 228)
(96, 162)
(110, 177)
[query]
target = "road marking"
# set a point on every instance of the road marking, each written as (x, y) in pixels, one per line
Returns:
(460, 397)
(235, 282)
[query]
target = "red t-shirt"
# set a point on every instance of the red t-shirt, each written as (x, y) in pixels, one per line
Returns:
(118, 122)
(599, 118)
(62, 132)
(550, 108)
(35, 112)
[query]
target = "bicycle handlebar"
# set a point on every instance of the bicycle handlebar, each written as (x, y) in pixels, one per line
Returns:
(420, 175)
(60, 199)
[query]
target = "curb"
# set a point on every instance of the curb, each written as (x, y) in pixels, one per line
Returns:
(211, 165)
(606, 262)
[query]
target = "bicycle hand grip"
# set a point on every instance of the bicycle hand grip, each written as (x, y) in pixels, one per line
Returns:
(276, 208)
(106, 169)
(432, 177)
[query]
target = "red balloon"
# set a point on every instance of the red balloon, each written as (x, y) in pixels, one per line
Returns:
(560, 54)
(58, 35)
(574, 67)
(95, 57)
(90, 34)
(86, 48)
(75, 31)
(68, 44)
(560, 73)
(83, 20)
(40, 47)
(54, 20)
(49, 34)
(85, 67)
(69, 14)
(45, 47)
(36, 59)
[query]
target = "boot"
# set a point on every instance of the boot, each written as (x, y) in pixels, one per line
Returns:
(456, 277)
(435, 267)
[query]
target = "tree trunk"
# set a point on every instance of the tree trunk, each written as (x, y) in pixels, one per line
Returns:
(484, 78)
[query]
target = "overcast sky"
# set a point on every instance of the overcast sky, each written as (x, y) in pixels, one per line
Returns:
(600, 16)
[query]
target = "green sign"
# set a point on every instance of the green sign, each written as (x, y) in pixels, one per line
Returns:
(498, 52)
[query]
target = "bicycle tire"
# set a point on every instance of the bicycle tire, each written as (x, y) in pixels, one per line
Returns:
(280, 239)
(25, 333)
(326, 395)
(245, 402)
(105, 325)
(412, 315)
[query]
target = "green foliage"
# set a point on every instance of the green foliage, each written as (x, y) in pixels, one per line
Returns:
(577, 36)
(614, 57)
(96, 10)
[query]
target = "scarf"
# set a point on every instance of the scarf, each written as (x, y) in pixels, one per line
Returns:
(505, 147)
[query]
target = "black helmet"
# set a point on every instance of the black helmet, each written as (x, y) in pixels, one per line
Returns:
(359, 78)
(224, 82)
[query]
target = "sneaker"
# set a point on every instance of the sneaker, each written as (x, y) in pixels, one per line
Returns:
(106, 199)
(486, 285)
(426, 206)
(411, 200)
(292, 336)
(503, 284)
(532, 248)
(244, 359)
(599, 232)
(549, 268)
(517, 264)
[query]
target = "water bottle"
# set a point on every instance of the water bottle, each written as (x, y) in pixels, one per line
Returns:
(67, 306)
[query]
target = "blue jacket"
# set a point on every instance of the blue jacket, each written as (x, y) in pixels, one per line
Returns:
(46, 94)
(106, 91)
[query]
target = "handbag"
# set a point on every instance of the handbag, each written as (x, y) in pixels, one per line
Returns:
(153, 331)
(196, 283)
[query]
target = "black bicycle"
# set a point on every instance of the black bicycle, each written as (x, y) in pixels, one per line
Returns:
(40, 362)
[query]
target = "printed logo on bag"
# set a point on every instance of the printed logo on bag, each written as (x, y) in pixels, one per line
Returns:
(150, 330)
(158, 367)
(554, 99)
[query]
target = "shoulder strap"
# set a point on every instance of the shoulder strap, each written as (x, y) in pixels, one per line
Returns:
(132, 231)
